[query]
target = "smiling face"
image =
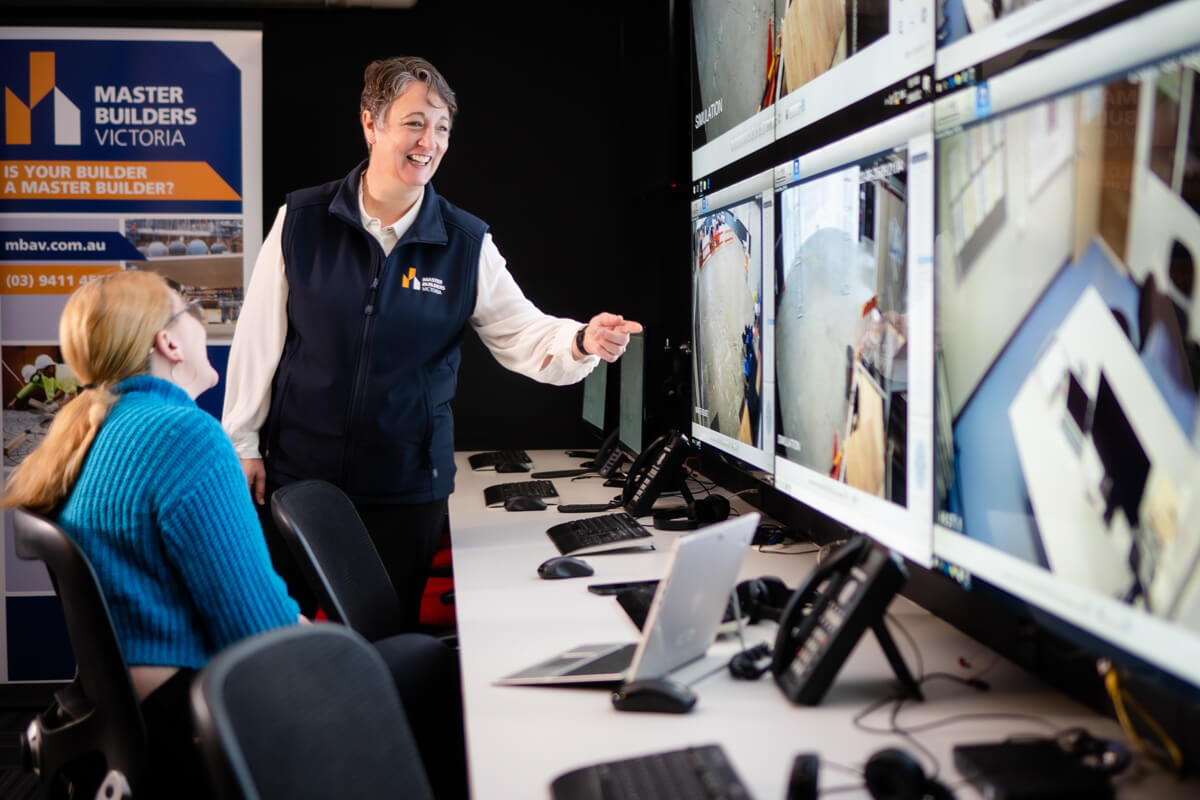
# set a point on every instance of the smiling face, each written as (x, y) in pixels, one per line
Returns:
(407, 149)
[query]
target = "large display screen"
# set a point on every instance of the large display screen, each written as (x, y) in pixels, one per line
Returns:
(869, 58)
(977, 39)
(765, 69)
(733, 387)
(853, 330)
(1068, 334)
(734, 69)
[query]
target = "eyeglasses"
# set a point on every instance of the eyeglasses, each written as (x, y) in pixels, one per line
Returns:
(195, 308)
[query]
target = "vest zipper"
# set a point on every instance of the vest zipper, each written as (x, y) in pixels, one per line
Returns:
(360, 367)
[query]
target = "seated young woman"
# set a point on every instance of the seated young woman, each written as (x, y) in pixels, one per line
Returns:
(149, 487)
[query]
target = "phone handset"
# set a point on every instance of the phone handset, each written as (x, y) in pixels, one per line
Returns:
(655, 465)
(824, 618)
(610, 457)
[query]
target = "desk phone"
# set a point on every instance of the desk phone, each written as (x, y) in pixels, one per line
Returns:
(842, 597)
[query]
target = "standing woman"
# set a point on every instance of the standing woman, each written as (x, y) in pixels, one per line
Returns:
(148, 486)
(346, 353)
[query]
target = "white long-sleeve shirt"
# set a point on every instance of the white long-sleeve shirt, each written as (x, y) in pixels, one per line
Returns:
(519, 335)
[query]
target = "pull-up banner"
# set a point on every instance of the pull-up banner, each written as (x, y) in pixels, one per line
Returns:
(93, 123)
(122, 148)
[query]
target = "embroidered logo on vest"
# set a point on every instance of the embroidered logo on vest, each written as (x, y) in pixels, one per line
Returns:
(411, 281)
(430, 285)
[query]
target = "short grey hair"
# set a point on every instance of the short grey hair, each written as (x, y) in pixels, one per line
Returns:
(386, 79)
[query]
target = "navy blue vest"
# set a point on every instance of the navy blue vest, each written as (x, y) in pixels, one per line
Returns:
(362, 393)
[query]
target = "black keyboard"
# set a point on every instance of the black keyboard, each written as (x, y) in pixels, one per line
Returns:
(481, 460)
(689, 774)
(596, 534)
(637, 600)
(496, 494)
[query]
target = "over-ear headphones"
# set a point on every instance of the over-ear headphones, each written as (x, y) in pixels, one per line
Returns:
(713, 508)
(892, 774)
(758, 598)
(763, 598)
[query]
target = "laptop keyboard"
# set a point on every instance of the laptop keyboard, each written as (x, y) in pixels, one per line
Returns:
(618, 529)
(496, 494)
(479, 460)
(616, 661)
(687, 774)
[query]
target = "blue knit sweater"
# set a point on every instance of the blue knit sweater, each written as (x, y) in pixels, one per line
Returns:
(162, 511)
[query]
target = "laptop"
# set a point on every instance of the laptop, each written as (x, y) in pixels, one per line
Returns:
(683, 620)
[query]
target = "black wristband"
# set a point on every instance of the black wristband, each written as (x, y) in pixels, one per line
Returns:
(579, 341)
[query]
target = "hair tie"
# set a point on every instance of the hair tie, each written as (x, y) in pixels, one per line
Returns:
(86, 386)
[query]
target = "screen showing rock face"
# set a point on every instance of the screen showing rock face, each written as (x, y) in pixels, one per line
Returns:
(841, 323)
(729, 317)
(732, 307)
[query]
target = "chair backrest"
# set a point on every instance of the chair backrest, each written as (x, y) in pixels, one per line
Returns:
(110, 722)
(305, 711)
(338, 558)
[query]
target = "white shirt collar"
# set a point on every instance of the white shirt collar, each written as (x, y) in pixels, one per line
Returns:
(387, 235)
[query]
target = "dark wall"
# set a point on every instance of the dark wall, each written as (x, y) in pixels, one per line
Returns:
(566, 143)
(570, 132)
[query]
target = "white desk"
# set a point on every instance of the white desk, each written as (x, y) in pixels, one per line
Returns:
(521, 738)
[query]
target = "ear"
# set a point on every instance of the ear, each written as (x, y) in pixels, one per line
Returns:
(368, 126)
(167, 346)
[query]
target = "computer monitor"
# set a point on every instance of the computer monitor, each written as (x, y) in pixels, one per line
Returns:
(1126, 465)
(595, 392)
(850, 65)
(632, 405)
(733, 57)
(1067, 466)
(853, 330)
(733, 307)
(978, 39)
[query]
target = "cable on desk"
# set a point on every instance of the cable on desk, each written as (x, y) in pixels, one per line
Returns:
(751, 654)
(693, 474)
(1120, 699)
(706, 675)
(824, 550)
(849, 787)
(898, 700)
(909, 731)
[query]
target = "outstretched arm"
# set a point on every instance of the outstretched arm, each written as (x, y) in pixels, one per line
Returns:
(606, 336)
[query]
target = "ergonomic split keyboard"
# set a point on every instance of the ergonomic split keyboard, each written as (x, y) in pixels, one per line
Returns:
(497, 493)
(481, 460)
(688, 774)
(597, 534)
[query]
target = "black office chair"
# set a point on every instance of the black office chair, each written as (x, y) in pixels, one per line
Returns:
(94, 726)
(306, 711)
(338, 559)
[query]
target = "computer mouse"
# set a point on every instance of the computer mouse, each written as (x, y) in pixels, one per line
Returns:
(656, 694)
(511, 466)
(524, 502)
(564, 567)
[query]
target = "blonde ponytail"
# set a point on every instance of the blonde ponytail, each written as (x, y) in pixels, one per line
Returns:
(106, 332)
